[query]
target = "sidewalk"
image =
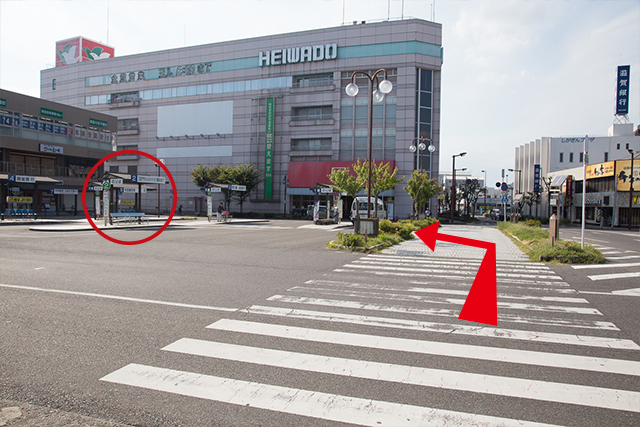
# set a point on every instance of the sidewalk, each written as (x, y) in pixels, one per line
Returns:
(506, 250)
(82, 224)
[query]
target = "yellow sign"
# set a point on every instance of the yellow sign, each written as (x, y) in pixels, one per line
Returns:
(19, 199)
(623, 172)
(600, 170)
(127, 202)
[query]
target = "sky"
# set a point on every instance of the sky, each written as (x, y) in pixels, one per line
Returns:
(513, 72)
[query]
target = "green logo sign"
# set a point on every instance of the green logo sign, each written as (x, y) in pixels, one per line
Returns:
(51, 113)
(96, 122)
(3, 102)
(106, 185)
(268, 165)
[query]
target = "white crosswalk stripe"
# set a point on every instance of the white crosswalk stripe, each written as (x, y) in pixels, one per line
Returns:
(544, 327)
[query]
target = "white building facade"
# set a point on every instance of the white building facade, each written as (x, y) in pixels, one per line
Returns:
(560, 161)
(276, 102)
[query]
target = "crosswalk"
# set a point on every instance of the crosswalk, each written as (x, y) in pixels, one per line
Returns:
(377, 342)
(623, 264)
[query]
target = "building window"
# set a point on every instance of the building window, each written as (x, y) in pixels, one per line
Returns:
(617, 146)
(128, 124)
(313, 80)
(317, 144)
(606, 156)
(561, 157)
(132, 170)
(113, 169)
(126, 97)
(324, 112)
(53, 84)
(581, 157)
(570, 157)
(627, 146)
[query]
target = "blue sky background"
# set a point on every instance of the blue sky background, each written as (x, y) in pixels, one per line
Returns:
(514, 70)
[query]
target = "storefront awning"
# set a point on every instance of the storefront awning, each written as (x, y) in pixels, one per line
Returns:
(308, 174)
(558, 180)
(39, 180)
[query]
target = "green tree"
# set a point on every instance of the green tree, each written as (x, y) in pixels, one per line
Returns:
(382, 179)
(421, 188)
(344, 182)
(244, 174)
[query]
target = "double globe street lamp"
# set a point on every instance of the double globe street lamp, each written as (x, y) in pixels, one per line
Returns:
(383, 87)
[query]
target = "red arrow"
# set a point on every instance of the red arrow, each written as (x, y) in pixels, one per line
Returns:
(481, 304)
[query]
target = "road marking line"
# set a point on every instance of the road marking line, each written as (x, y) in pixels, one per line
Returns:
(627, 264)
(432, 276)
(446, 328)
(624, 292)
(295, 401)
(590, 239)
(448, 261)
(426, 270)
(40, 268)
(547, 391)
(424, 311)
(436, 348)
(463, 292)
(614, 276)
(121, 298)
(441, 265)
(624, 257)
(611, 253)
(569, 323)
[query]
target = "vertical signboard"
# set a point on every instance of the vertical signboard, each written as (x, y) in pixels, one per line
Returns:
(622, 94)
(536, 178)
(268, 163)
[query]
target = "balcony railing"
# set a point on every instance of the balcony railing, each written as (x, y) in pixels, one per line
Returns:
(12, 168)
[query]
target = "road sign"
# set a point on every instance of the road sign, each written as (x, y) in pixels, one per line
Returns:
(106, 185)
(233, 187)
(116, 181)
(505, 199)
(504, 186)
(120, 191)
(142, 179)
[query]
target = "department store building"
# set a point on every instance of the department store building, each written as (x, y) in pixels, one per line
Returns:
(277, 102)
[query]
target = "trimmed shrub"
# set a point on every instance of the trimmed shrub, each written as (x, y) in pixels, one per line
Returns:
(532, 223)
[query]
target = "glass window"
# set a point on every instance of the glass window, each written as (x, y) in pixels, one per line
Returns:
(346, 115)
(227, 87)
(561, 157)
(166, 92)
(425, 99)
(390, 112)
(425, 80)
(606, 157)
(238, 86)
(256, 84)
(346, 101)
(182, 91)
(191, 90)
(247, 85)
(217, 88)
(201, 89)
(570, 157)
(147, 95)
(87, 100)
(425, 115)
(157, 93)
(102, 99)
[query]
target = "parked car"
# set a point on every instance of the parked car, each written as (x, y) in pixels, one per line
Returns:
(498, 214)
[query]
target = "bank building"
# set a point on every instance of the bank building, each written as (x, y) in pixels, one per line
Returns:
(277, 102)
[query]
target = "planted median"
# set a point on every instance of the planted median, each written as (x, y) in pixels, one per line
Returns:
(534, 241)
(391, 233)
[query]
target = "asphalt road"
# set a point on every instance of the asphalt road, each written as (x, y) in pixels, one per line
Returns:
(261, 325)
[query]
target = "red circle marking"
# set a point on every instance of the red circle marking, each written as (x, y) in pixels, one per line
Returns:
(84, 197)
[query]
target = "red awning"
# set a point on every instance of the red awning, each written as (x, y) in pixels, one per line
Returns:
(308, 174)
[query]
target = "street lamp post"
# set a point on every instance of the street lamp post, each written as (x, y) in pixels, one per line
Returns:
(384, 87)
(485, 191)
(158, 166)
(519, 181)
(630, 188)
(453, 184)
(416, 147)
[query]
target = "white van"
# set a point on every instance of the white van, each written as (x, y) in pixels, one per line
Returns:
(362, 208)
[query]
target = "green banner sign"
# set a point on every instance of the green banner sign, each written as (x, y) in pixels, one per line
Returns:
(96, 122)
(50, 113)
(268, 172)
(3, 102)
